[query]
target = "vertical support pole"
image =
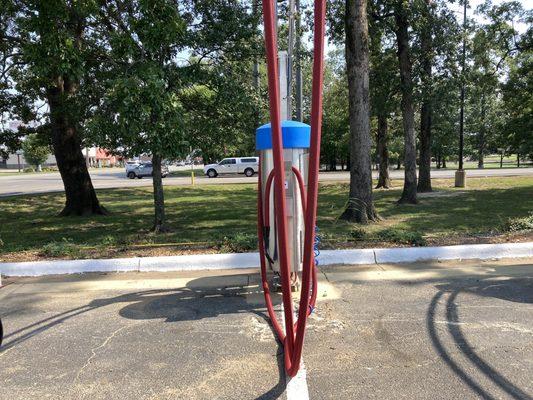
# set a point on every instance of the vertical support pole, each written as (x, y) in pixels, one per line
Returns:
(284, 91)
(192, 166)
(460, 174)
(290, 57)
(298, 69)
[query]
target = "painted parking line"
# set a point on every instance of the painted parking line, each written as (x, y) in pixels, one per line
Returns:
(296, 388)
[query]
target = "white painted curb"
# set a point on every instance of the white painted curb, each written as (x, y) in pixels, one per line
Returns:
(460, 252)
(251, 260)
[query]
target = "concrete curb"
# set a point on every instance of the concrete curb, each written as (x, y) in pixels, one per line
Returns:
(251, 260)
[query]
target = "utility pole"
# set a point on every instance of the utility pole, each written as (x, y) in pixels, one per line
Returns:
(19, 152)
(460, 174)
(298, 74)
(290, 56)
(255, 12)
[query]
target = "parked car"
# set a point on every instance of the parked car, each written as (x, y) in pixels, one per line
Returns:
(237, 165)
(145, 169)
(129, 165)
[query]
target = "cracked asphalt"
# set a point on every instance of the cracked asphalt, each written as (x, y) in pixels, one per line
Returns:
(453, 330)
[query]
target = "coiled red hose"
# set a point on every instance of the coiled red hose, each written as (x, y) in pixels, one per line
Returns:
(293, 338)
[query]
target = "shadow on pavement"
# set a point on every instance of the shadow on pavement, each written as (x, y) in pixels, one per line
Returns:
(515, 290)
(200, 298)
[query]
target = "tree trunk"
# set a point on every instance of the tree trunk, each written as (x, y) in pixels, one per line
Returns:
(438, 160)
(333, 164)
(518, 160)
(501, 160)
(159, 197)
(408, 115)
(383, 153)
(360, 206)
(79, 191)
(481, 137)
(444, 162)
(424, 168)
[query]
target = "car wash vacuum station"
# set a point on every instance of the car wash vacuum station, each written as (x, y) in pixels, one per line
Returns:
(289, 160)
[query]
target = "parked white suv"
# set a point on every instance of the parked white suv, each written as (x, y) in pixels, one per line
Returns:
(237, 165)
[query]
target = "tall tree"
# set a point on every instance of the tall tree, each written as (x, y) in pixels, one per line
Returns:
(360, 206)
(493, 46)
(335, 125)
(159, 52)
(384, 91)
(46, 58)
(518, 103)
(424, 175)
(401, 12)
(35, 152)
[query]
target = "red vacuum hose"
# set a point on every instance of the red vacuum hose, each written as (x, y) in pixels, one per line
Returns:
(293, 338)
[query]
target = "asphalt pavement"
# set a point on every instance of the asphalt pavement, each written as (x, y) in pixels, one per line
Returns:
(453, 330)
(107, 178)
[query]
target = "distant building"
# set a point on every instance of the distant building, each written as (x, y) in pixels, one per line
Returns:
(98, 157)
(15, 161)
(95, 157)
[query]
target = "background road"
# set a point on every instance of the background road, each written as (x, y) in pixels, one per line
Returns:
(106, 178)
(452, 330)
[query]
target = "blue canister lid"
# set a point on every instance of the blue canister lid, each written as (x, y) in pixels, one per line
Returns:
(295, 135)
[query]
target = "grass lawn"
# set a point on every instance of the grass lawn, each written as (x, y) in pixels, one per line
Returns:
(187, 172)
(222, 218)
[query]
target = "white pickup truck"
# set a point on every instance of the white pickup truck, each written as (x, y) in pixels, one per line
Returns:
(236, 165)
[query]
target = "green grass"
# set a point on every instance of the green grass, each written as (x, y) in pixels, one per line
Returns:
(187, 172)
(222, 217)
(492, 161)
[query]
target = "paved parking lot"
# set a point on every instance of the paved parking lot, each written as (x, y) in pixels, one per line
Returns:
(422, 331)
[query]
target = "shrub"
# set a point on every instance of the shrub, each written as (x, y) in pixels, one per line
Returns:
(108, 240)
(239, 243)
(358, 233)
(35, 150)
(29, 169)
(520, 224)
(64, 248)
(401, 236)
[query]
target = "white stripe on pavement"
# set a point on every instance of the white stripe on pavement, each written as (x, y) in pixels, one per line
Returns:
(296, 388)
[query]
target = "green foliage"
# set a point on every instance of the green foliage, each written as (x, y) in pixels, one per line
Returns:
(239, 243)
(335, 125)
(518, 105)
(358, 233)
(34, 151)
(519, 223)
(401, 236)
(10, 142)
(63, 248)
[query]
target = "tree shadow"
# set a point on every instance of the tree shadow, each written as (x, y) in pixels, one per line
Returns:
(518, 290)
(200, 298)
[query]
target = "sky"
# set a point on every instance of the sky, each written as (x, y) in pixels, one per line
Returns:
(473, 4)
